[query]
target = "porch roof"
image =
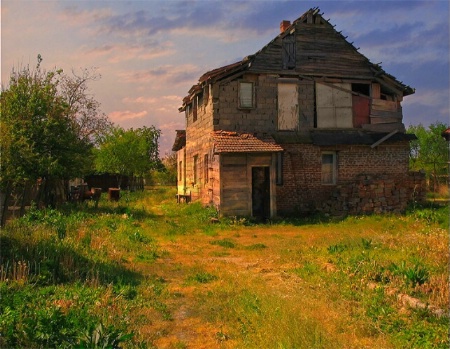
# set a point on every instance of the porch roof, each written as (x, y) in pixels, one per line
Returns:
(234, 142)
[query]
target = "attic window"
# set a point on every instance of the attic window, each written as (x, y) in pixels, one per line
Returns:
(246, 95)
(288, 52)
(194, 110)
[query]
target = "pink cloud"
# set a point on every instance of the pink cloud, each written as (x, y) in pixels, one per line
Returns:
(117, 116)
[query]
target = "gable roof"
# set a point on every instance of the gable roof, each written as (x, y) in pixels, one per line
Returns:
(234, 142)
(313, 57)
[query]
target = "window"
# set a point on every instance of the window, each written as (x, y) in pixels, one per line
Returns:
(287, 106)
(329, 168)
(288, 52)
(194, 110)
(195, 169)
(279, 173)
(180, 171)
(334, 105)
(245, 95)
(205, 169)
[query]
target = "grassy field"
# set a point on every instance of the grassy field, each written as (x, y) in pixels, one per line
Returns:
(145, 272)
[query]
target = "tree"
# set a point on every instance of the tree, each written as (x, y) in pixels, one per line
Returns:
(429, 151)
(84, 109)
(129, 153)
(43, 130)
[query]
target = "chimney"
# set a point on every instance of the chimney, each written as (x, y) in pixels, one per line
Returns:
(284, 25)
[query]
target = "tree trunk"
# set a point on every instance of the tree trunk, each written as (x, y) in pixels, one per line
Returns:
(4, 208)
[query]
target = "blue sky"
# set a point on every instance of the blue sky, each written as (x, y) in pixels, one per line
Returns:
(150, 53)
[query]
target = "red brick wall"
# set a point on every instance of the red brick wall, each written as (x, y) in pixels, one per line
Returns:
(368, 180)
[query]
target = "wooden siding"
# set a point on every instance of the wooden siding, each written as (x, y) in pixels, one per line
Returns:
(320, 51)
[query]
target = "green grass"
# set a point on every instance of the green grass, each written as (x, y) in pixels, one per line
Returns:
(119, 273)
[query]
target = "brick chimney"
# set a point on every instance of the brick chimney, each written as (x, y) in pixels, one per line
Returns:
(284, 25)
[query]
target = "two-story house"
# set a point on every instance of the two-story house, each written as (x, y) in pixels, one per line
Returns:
(305, 124)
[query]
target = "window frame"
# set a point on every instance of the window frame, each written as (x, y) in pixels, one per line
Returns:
(334, 168)
(250, 105)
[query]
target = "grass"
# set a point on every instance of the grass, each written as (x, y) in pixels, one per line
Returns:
(145, 272)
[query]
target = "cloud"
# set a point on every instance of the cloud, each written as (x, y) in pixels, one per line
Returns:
(180, 74)
(83, 18)
(152, 100)
(124, 52)
(119, 116)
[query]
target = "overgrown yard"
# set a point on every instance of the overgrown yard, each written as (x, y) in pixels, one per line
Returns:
(145, 272)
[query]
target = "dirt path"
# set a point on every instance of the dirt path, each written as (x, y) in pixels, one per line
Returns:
(186, 255)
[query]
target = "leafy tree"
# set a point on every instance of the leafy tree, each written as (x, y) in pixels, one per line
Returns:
(45, 129)
(430, 151)
(167, 173)
(131, 152)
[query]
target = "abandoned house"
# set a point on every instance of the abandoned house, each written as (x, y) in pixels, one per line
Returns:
(306, 124)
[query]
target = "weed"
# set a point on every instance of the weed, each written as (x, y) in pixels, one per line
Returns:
(415, 275)
(258, 246)
(101, 337)
(366, 243)
(203, 277)
(137, 236)
(224, 243)
(338, 248)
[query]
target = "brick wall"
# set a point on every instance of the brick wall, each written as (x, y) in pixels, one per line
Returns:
(368, 180)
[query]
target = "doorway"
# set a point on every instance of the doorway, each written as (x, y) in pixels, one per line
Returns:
(261, 192)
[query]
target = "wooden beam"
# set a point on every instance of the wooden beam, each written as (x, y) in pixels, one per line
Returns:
(384, 139)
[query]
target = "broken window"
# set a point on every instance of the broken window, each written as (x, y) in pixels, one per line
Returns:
(288, 53)
(287, 106)
(361, 104)
(329, 167)
(246, 95)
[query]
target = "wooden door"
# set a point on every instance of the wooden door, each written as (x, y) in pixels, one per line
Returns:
(261, 192)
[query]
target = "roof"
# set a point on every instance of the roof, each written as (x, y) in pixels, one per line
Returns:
(234, 142)
(246, 63)
(446, 134)
(180, 140)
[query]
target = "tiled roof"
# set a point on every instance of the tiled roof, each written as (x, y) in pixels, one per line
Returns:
(446, 134)
(234, 142)
(180, 140)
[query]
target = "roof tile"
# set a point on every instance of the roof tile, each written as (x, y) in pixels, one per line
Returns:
(234, 142)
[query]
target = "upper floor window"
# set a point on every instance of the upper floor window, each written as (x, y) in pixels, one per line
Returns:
(334, 105)
(288, 109)
(194, 110)
(329, 167)
(246, 95)
(288, 54)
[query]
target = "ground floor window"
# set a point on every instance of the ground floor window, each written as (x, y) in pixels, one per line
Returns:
(205, 168)
(195, 169)
(329, 167)
(180, 171)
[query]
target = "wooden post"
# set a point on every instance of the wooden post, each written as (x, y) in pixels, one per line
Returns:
(114, 194)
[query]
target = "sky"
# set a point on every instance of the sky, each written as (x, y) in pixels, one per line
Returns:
(149, 53)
